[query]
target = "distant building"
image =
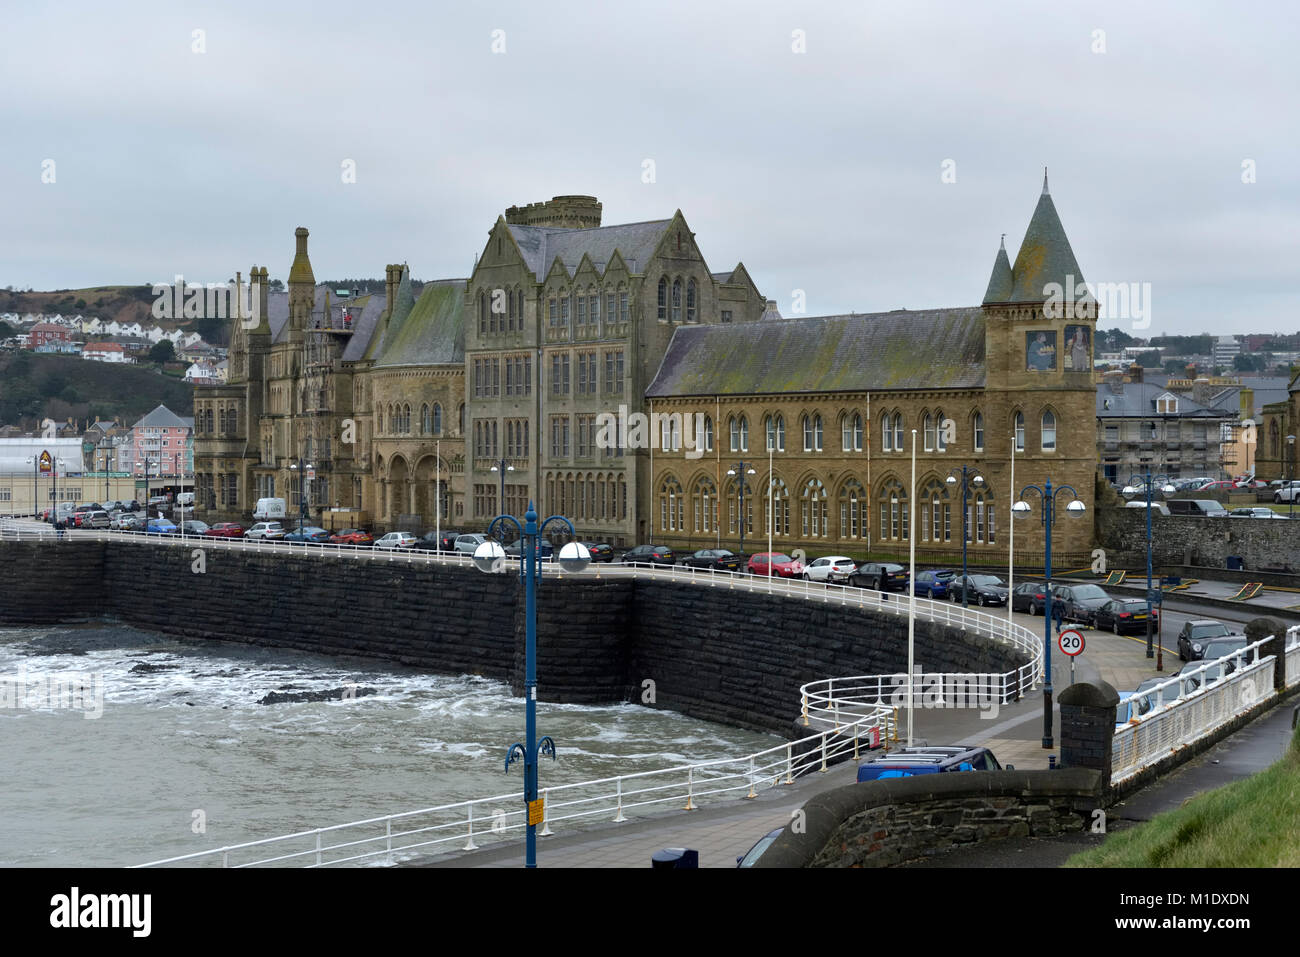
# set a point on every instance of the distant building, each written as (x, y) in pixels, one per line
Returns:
(52, 334)
(105, 352)
(160, 441)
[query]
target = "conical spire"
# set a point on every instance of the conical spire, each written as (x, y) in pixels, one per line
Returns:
(300, 271)
(1045, 255)
(1001, 282)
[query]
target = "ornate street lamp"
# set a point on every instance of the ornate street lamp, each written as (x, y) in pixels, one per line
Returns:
(1047, 518)
(968, 475)
(300, 468)
(490, 557)
(503, 468)
(1167, 489)
(741, 470)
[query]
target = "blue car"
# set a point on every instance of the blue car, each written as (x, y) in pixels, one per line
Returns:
(161, 526)
(923, 759)
(934, 584)
(308, 535)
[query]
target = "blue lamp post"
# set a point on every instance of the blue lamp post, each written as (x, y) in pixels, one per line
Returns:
(1047, 518)
(1147, 482)
(490, 557)
(969, 476)
(740, 471)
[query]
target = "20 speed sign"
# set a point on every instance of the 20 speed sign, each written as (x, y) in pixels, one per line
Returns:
(1071, 642)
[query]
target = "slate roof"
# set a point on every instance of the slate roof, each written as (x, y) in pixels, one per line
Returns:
(372, 306)
(635, 242)
(431, 332)
(1045, 255)
(1139, 400)
(1001, 283)
(925, 349)
(163, 418)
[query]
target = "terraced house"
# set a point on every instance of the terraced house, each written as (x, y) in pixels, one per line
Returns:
(816, 418)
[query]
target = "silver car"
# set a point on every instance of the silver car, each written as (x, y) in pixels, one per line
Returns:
(396, 540)
(467, 543)
(267, 530)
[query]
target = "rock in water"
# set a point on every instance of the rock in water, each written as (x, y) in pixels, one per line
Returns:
(333, 694)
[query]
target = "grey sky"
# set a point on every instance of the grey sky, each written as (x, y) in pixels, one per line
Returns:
(821, 170)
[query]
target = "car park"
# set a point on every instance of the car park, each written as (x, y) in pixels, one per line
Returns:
(882, 576)
(308, 535)
(830, 568)
(600, 551)
(396, 540)
(774, 565)
(1196, 634)
(929, 759)
(650, 555)
(716, 559)
(226, 530)
(1126, 614)
(265, 530)
(981, 589)
(1081, 601)
(933, 583)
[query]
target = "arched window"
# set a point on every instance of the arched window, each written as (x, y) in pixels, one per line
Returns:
(705, 499)
(690, 301)
(426, 420)
(733, 424)
(940, 432)
(437, 419)
(672, 507)
(406, 419)
(663, 297)
(708, 434)
(744, 434)
(936, 513)
(893, 512)
(886, 434)
(928, 432)
(482, 312)
(769, 427)
(818, 433)
(977, 427)
(779, 518)
(1049, 431)
(851, 432)
(814, 509)
(1020, 431)
(853, 510)
(677, 300)
(807, 426)
(981, 523)
(898, 432)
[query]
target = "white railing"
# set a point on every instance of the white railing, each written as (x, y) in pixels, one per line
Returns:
(1181, 713)
(460, 826)
(1292, 653)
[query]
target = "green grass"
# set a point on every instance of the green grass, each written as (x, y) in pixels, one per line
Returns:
(1254, 822)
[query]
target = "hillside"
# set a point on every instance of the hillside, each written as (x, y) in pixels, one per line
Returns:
(35, 387)
(123, 303)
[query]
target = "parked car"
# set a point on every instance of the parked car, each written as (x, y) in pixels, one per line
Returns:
(194, 527)
(1210, 661)
(1256, 512)
(1196, 634)
(882, 576)
(650, 555)
(545, 550)
(396, 540)
(1205, 507)
(435, 541)
(830, 568)
(1217, 487)
(981, 589)
(160, 526)
(755, 852)
(353, 536)
(308, 535)
(717, 559)
(226, 530)
(97, 519)
(1253, 484)
(1125, 614)
(600, 551)
(929, 759)
(265, 530)
(1288, 491)
(1081, 601)
(1032, 596)
(933, 583)
(466, 543)
(774, 565)
(127, 522)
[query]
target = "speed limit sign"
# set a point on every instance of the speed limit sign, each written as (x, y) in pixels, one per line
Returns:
(1071, 642)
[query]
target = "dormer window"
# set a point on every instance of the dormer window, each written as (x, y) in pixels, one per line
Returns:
(1167, 405)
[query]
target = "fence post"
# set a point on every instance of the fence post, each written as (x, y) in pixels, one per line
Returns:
(751, 793)
(546, 813)
(789, 764)
(469, 843)
(618, 816)
(690, 789)
(824, 767)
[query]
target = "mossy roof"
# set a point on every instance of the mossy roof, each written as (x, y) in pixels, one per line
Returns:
(431, 332)
(541, 245)
(1045, 256)
(925, 349)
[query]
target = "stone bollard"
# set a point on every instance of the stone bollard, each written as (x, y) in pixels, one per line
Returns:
(1088, 727)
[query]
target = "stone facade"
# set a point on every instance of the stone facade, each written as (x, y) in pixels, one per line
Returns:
(1192, 540)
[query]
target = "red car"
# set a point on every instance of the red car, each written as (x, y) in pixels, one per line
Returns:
(226, 530)
(1217, 487)
(352, 536)
(775, 564)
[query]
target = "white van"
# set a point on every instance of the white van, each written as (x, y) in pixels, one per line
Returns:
(185, 498)
(268, 508)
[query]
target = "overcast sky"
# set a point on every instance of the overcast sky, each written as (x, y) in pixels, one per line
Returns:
(821, 170)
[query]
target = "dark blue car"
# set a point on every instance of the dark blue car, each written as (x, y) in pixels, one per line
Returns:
(924, 759)
(933, 584)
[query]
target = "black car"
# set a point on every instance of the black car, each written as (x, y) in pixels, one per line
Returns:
(650, 555)
(717, 559)
(437, 542)
(1032, 596)
(1082, 602)
(1125, 614)
(978, 590)
(764, 842)
(882, 576)
(1196, 635)
(1213, 651)
(600, 551)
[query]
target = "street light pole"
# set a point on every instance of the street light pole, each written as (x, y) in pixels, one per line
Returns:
(741, 470)
(503, 468)
(1047, 519)
(1147, 481)
(490, 557)
(967, 471)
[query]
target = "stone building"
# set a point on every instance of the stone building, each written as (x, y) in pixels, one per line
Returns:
(1276, 438)
(836, 405)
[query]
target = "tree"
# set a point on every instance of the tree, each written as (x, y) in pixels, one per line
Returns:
(276, 285)
(1148, 360)
(1175, 367)
(164, 351)
(6, 330)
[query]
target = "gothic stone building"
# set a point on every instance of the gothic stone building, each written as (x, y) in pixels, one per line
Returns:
(833, 404)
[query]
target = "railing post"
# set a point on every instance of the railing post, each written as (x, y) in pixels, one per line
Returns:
(546, 813)
(690, 789)
(824, 767)
(789, 764)
(618, 817)
(751, 793)
(318, 847)
(469, 842)
(388, 835)
(803, 693)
